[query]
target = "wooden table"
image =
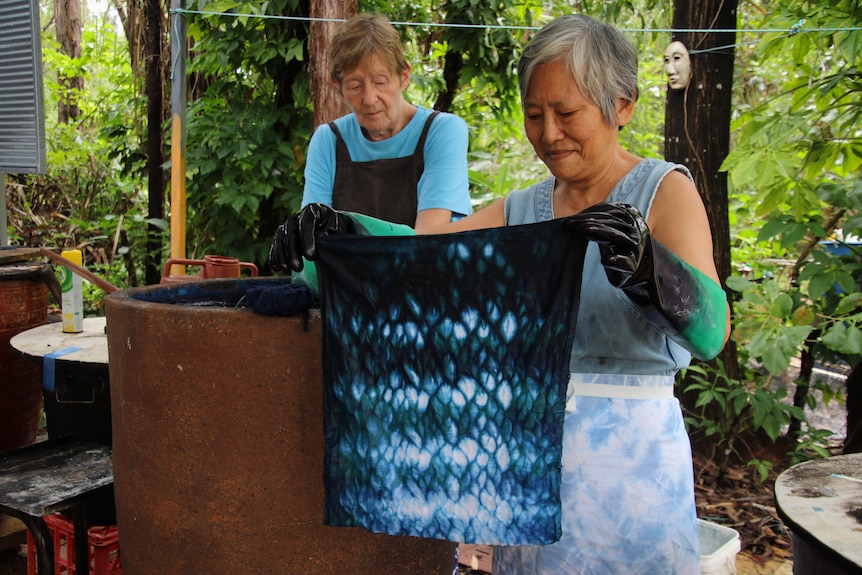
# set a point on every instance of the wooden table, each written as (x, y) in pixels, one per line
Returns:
(821, 502)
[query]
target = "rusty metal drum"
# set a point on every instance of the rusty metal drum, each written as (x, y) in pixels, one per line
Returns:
(218, 442)
(23, 305)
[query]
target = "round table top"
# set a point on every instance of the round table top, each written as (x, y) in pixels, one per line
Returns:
(89, 346)
(822, 500)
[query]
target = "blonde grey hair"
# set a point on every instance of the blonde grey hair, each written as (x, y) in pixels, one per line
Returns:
(602, 61)
(362, 37)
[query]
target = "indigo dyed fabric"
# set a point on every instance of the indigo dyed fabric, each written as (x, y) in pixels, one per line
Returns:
(446, 360)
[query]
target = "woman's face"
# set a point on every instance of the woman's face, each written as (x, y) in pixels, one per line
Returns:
(677, 66)
(567, 132)
(374, 94)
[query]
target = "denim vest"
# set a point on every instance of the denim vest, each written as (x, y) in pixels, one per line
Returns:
(612, 334)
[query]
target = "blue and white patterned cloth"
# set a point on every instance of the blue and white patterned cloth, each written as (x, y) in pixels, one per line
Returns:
(626, 488)
(445, 373)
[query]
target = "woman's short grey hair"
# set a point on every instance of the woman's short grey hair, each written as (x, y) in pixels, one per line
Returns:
(602, 61)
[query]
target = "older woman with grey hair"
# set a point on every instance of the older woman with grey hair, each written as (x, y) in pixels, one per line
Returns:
(650, 299)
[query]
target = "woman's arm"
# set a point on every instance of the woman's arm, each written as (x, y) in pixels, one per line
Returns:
(679, 221)
(490, 216)
(320, 168)
(445, 182)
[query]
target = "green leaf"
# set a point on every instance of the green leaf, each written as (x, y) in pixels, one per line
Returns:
(820, 284)
(782, 305)
(843, 338)
(771, 229)
(849, 43)
(775, 360)
(849, 303)
(738, 284)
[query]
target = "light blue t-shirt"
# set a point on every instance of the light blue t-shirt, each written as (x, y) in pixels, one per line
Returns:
(444, 183)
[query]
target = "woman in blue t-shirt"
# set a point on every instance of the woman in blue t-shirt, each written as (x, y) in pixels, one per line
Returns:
(387, 158)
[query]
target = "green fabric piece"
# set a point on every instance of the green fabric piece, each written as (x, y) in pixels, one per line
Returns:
(362, 225)
(369, 226)
(307, 276)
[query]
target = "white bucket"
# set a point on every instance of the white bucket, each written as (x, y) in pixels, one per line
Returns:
(718, 548)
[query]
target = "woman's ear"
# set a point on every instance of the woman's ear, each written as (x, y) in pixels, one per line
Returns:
(625, 109)
(405, 76)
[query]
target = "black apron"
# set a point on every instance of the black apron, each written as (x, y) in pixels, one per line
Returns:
(385, 189)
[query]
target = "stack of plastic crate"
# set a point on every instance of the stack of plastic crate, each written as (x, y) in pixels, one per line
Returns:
(104, 548)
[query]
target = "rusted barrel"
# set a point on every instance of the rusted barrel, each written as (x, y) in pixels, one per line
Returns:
(218, 442)
(23, 305)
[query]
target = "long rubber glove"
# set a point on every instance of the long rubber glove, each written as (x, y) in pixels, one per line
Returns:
(675, 296)
(294, 247)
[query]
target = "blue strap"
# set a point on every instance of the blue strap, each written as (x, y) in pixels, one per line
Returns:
(48, 368)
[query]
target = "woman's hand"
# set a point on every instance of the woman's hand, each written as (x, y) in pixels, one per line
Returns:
(624, 243)
(295, 238)
(674, 295)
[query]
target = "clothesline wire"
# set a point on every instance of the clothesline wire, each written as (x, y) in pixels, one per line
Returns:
(791, 30)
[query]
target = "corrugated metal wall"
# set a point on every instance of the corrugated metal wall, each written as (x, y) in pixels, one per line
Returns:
(22, 114)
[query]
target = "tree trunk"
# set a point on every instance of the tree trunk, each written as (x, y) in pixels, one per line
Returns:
(452, 67)
(155, 154)
(328, 103)
(69, 27)
(697, 121)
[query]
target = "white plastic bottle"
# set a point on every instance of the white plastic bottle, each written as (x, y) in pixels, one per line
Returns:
(72, 293)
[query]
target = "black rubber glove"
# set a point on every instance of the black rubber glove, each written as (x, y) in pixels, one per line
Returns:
(295, 238)
(675, 296)
(625, 246)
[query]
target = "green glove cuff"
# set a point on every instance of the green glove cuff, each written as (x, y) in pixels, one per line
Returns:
(692, 305)
(368, 226)
(364, 226)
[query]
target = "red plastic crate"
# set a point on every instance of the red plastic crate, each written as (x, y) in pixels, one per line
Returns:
(104, 548)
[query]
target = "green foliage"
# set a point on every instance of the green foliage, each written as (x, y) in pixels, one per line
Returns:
(770, 325)
(730, 412)
(91, 198)
(742, 406)
(796, 168)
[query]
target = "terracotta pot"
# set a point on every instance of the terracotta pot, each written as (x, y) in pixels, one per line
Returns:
(211, 267)
(218, 442)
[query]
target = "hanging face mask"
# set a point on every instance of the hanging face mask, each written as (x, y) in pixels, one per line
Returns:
(677, 66)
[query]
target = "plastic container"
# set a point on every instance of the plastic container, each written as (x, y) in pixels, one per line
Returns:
(718, 548)
(104, 548)
(72, 294)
